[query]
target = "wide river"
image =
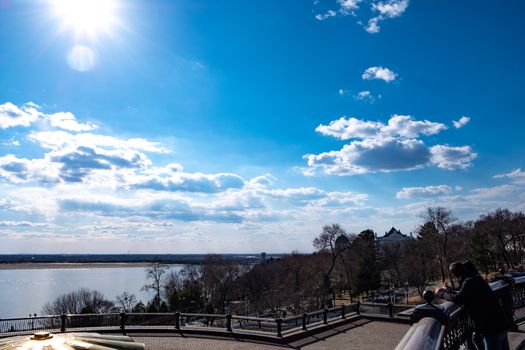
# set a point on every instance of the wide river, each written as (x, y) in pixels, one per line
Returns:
(25, 291)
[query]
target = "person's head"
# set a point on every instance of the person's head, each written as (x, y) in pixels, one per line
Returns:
(470, 268)
(458, 269)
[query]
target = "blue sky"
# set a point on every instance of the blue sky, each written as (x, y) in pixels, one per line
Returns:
(237, 126)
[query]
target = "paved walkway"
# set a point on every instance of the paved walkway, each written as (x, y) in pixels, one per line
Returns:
(517, 338)
(176, 342)
(362, 334)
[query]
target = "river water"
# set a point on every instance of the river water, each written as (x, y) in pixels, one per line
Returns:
(25, 291)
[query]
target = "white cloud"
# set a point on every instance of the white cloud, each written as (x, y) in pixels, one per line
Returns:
(262, 181)
(386, 9)
(188, 182)
(451, 158)
(21, 170)
(11, 143)
(428, 191)
(366, 96)
(516, 175)
(323, 16)
(391, 8)
(380, 73)
(372, 26)
(11, 115)
(385, 147)
(383, 10)
(348, 6)
(371, 155)
(461, 122)
(67, 121)
(350, 128)
(56, 140)
(22, 224)
(406, 126)
(398, 125)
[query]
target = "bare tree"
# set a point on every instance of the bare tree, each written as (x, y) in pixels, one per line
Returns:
(219, 276)
(437, 231)
(155, 273)
(126, 301)
(76, 302)
(333, 240)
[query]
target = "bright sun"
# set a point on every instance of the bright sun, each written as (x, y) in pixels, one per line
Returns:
(86, 17)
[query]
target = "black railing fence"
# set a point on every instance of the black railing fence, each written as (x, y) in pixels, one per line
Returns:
(446, 326)
(166, 322)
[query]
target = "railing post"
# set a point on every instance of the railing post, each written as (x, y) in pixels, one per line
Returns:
(390, 309)
(325, 316)
(305, 318)
(358, 308)
(430, 310)
(229, 322)
(177, 320)
(343, 316)
(63, 323)
(279, 322)
(123, 322)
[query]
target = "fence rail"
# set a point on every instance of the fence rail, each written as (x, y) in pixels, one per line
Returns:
(173, 322)
(446, 326)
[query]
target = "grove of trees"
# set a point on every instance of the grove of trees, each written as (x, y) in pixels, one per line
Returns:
(342, 265)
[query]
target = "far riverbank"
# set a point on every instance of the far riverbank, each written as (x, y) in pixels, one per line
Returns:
(42, 266)
(116, 260)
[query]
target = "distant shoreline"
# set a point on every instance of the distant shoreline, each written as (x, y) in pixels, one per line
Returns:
(51, 266)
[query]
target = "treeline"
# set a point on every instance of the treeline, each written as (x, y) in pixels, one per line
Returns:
(119, 258)
(493, 241)
(343, 265)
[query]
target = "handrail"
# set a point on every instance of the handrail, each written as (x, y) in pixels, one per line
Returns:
(175, 321)
(430, 332)
(194, 322)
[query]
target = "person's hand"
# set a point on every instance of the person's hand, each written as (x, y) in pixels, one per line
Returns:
(439, 290)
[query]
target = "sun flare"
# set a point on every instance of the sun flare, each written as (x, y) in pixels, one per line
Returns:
(86, 17)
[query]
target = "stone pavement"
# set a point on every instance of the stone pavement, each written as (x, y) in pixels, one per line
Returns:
(176, 342)
(363, 334)
(517, 338)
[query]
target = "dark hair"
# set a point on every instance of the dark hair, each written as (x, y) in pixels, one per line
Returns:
(457, 269)
(463, 269)
(470, 268)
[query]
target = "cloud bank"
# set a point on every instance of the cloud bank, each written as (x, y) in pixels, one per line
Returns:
(379, 147)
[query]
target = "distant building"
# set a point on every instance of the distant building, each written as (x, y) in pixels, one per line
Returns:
(392, 236)
(263, 258)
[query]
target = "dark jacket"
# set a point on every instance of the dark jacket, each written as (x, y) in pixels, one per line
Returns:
(480, 302)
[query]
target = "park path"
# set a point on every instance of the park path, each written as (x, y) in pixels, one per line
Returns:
(362, 334)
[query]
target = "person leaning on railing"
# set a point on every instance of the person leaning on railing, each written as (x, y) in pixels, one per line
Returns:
(486, 314)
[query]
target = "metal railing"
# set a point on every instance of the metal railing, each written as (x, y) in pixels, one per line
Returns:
(446, 326)
(188, 322)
